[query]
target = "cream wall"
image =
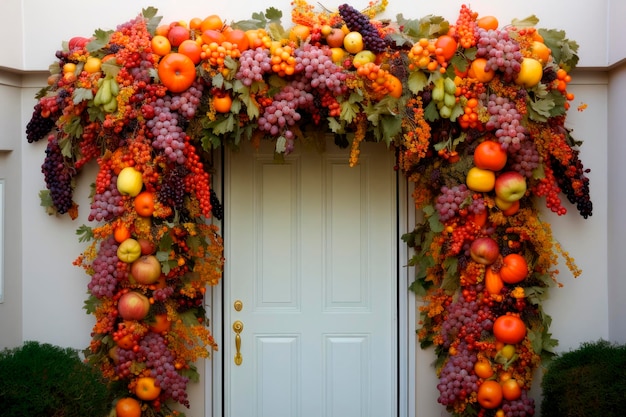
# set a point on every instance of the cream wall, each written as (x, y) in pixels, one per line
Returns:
(44, 293)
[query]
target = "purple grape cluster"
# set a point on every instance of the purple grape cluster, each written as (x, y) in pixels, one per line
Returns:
(217, 209)
(253, 64)
(153, 347)
(358, 22)
(108, 205)
(525, 159)
(457, 379)
(106, 274)
(506, 121)
(524, 406)
(502, 53)
(58, 175)
(317, 67)
(38, 126)
(172, 191)
(450, 200)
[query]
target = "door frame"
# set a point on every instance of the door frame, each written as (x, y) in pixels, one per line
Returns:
(405, 307)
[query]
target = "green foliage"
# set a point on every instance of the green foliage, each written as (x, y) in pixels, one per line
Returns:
(586, 382)
(42, 380)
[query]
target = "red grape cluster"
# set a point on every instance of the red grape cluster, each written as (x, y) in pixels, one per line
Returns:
(108, 270)
(450, 200)
(58, 175)
(502, 53)
(525, 159)
(108, 204)
(524, 406)
(358, 22)
(188, 101)
(317, 67)
(125, 360)
(506, 121)
(253, 64)
(457, 379)
(169, 136)
(154, 349)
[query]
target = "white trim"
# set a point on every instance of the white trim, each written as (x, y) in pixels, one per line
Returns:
(2, 240)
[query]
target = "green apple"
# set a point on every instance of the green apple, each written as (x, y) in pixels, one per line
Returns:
(363, 57)
(129, 251)
(129, 181)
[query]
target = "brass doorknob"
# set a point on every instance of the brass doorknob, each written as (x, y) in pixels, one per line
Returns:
(238, 328)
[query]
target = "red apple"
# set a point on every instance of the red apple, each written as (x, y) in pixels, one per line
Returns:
(77, 42)
(484, 250)
(335, 38)
(147, 247)
(146, 270)
(177, 35)
(510, 186)
(133, 306)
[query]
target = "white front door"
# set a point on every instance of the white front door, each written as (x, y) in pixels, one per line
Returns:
(311, 275)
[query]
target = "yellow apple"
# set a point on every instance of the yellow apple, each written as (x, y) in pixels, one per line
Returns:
(530, 73)
(129, 251)
(353, 42)
(480, 180)
(129, 181)
(337, 55)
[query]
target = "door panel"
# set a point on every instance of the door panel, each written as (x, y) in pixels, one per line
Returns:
(310, 249)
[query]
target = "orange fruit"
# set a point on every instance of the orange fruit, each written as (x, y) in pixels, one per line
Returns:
(299, 33)
(212, 35)
(147, 389)
(222, 104)
(489, 394)
(487, 22)
(160, 45)
(121, 233)
(162, 30)
(395, 86)
(540, 51)
(192, 49)
(195, 23)
(144, 203)
(483, 369)
(212, 22)
(238, 37)
(511, 390)
(128, 407)
(478, 70)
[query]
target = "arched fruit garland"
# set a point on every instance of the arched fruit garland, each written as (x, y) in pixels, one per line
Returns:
(475, 110)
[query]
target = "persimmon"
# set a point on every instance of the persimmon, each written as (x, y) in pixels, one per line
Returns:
(195, 23)
(211, 35)
(299, 33)
(395, 86)
(128, 407)
(177, 72)
(514, 268)
(509, 329)
(489, 394)
(126, 342)
(540, 51)
(161, 324)
(144, 203)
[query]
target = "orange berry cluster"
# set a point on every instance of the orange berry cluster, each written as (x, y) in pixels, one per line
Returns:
(215, 53)
(423, 54)
(283, 60)
(466, 27)
(378, 80)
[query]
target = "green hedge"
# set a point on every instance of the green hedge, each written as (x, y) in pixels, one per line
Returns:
(42, 380)
(587, 382)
